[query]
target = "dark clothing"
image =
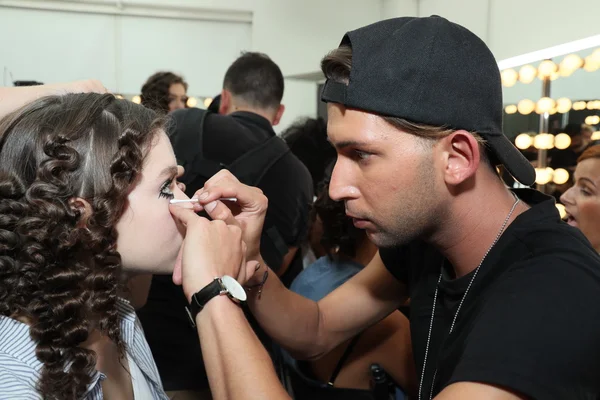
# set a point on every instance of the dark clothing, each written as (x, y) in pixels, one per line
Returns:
(287, 185)
(531, 320)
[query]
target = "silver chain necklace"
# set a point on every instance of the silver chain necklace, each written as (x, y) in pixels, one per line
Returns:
(517, 200)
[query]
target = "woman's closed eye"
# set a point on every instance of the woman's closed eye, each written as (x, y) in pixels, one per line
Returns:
(166, 191)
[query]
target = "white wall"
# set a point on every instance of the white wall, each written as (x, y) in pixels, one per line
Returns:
(121, 51)
(199, 40)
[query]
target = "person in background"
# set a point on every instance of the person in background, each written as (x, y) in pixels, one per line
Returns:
(249, 107)
(307, 139)
(165, 92)
(581, 138)
(582, 200)
(386, 343)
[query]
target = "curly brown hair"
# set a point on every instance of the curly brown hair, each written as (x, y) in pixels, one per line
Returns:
(155, 92)
(60, 271)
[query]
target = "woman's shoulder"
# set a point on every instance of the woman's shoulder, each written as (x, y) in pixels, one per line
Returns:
(19, 368)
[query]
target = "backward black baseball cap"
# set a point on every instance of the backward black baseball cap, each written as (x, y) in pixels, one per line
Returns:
(430, 71)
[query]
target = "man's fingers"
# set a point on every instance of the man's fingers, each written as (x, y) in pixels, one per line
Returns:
(219, 211)
(184, 215)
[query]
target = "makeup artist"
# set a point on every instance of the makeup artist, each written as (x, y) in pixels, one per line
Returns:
(503, 293)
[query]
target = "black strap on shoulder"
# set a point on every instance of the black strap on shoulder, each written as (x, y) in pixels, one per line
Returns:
(343, 360)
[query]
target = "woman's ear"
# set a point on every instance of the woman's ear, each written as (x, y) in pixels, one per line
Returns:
(83, 207)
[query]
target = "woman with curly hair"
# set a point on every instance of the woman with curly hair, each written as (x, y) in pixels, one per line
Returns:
(85, 184)
(164, 92)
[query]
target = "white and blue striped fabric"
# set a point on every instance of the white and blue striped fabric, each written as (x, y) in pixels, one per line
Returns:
(20, 369)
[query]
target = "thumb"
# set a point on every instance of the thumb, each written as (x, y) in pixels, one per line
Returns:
(184, 215)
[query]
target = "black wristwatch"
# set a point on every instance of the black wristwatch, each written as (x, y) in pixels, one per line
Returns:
(223, 285)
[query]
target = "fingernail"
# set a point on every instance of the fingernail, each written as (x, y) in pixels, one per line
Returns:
(210, 206)
(203, 196)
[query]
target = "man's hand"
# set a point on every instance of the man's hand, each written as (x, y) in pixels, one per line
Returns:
(210, 249)
(248, 211)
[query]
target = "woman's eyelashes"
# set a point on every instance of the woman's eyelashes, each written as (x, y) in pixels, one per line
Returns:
(165, 190)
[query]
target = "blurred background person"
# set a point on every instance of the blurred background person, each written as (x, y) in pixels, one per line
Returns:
(165, 92)
(582, 200)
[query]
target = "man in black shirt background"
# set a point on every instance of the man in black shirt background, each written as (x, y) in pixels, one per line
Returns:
(503, 293)
(240, 137)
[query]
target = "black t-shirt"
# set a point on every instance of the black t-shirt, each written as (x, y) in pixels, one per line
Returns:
(531, 320)
(287, 185)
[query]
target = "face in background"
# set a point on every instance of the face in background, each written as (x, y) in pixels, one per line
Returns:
(385, 177)
(148, 237)
(582, 201)
(177, 97)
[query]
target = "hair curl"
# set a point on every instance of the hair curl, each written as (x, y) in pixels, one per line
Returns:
(59, 267)
(155, 92)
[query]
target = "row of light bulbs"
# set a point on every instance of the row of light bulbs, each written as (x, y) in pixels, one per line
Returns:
(543, 141)
(550, 106)
(549, 69)
(544, 176)
(191, 101)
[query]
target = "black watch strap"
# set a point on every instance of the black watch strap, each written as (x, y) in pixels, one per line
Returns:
(202, 297)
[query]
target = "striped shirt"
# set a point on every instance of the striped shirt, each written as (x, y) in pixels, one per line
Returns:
(20, 369)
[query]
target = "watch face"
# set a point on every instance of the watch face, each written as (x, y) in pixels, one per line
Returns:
(234, 288)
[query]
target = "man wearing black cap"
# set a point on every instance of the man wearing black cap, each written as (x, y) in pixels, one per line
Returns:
(415, 113)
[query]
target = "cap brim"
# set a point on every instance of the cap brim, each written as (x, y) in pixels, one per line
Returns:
(512, 159)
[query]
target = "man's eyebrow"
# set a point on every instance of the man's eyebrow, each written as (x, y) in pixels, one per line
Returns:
(347, 143)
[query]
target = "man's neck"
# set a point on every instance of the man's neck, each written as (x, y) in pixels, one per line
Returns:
(265, 114)
(473, 225)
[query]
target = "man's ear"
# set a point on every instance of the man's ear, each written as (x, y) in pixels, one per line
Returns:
(278, 115)
(83, 207)
(225, 103)
(462, 157)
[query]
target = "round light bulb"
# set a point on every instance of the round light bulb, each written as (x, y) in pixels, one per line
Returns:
(118, 96)
(561, 210)
(208, 101)
(527, 73)
(562, 141)
(523, 141)
(510, 109)
(590, 105)
(509, 77)
(543, 175)
(543, 141)
(563, 105)
(570, 64)
(596, 56)
(192, 102)
(596, 104)
(546, 69)
(560, 176)
(136, 99)
(592, 120)
(545, 104)
(526, 106)
(591, 65)
(596, 135)
(579, 105)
